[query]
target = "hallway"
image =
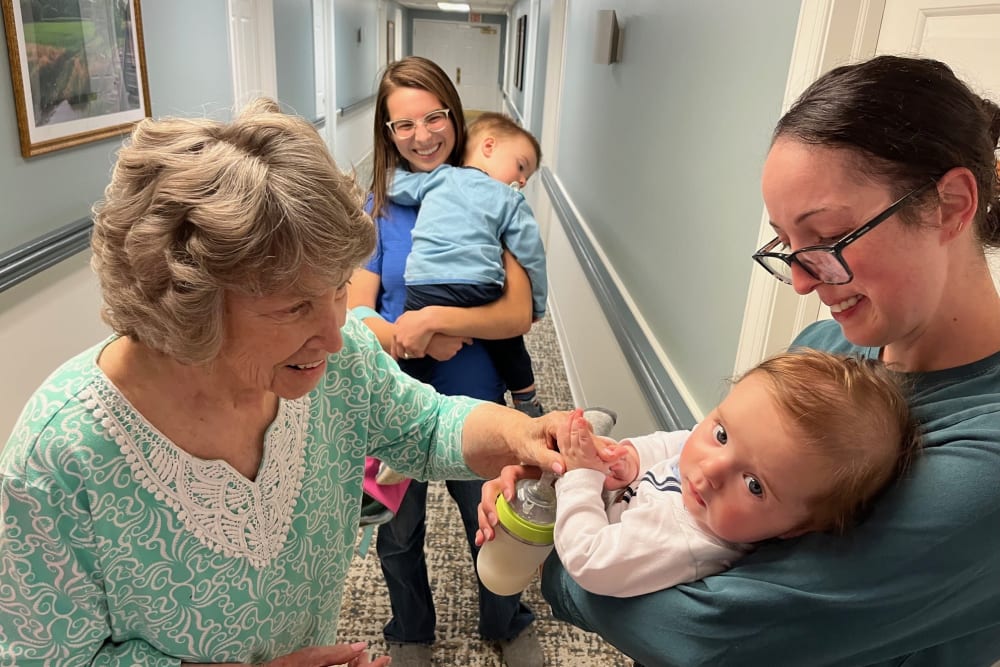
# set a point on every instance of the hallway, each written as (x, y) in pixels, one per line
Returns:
(648, 197)
(366, 604)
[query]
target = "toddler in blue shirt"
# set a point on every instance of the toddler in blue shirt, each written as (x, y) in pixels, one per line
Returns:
(468, 216)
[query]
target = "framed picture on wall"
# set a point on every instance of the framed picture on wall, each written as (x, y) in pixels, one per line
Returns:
(78, 70)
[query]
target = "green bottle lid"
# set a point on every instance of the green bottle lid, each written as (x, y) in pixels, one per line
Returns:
(518, 526)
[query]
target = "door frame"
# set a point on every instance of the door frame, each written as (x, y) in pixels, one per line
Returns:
(553, 82)
(326, 74)
(530, 47)
(829, 33)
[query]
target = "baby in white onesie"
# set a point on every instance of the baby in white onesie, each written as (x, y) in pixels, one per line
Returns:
(803, 442)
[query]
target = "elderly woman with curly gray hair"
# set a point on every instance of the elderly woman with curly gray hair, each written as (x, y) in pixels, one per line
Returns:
(188, 490)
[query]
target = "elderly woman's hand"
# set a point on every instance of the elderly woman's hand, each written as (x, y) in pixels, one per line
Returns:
(494, 437)
(539, 446)
(550, 431)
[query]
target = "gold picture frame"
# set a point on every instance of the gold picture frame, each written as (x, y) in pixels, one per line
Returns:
(78, 70)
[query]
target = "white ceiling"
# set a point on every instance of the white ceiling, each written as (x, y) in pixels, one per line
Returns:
(480, 6)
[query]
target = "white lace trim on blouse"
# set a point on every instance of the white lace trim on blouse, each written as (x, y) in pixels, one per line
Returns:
(226, 511)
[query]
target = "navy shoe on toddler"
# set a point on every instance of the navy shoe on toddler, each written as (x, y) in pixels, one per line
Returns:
(532, 408)
(528, 403)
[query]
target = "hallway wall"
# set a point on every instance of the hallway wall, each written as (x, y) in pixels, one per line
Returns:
(54, 314)
(294, 61)
(660, 155)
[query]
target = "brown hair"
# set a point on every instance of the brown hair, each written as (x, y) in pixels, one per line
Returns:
(490, 123)
(196, 207)
(905, 121)
(854, 413)
(422, 74)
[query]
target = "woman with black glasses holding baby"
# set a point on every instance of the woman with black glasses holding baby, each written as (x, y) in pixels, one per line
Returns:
(881, 186)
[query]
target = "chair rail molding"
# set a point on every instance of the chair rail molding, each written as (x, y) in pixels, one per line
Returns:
(39, 254)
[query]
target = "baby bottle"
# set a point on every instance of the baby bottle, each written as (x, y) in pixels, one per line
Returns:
(525, 524)
(523, 536)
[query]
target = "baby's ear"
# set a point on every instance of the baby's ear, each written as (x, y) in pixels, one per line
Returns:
(487, 146)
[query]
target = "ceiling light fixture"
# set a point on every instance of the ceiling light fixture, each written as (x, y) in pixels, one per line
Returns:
(454, 7)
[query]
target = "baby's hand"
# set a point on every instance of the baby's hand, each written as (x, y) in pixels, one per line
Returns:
(625, 469)
(581, 448)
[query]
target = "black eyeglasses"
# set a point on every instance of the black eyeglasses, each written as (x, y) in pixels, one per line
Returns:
(825, 263)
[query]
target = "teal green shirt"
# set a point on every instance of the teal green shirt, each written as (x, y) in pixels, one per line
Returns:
(918, 582)
(119, 548)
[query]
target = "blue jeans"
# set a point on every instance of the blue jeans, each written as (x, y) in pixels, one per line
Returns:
(400, 547)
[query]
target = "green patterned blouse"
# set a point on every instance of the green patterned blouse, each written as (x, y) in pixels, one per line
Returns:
(119, 548)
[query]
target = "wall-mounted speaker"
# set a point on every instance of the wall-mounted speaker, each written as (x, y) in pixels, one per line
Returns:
(608, 42)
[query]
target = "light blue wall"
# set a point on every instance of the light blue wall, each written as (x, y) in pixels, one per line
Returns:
(187, 57)
(45, 192)
(294, 60)
(662, 152)
(187, 62)
(356, 62)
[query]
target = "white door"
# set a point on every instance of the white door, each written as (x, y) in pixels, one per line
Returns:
(966, 35)
(469, 53)
(251, 43)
